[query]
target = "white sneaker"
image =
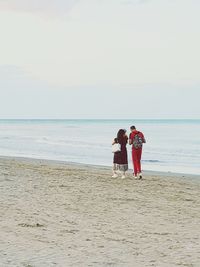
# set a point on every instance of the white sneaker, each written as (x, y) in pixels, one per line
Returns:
(123, 176)
(140, 175)
(135, 177)
(114, 176)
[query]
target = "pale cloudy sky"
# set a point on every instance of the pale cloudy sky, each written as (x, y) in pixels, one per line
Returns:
(99, 58)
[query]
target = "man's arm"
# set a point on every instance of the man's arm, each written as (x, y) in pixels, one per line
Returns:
(143, 139)
(130, 140)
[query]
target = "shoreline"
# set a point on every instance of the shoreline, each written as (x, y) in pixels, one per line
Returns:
(105, 167)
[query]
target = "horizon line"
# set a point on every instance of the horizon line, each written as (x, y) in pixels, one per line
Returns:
(99, 119)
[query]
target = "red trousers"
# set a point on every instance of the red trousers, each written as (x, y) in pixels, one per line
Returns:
(136, 157)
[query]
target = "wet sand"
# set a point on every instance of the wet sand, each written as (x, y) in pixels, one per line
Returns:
(59, 214)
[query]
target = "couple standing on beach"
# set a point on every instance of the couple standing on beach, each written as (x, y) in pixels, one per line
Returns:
(120, 160)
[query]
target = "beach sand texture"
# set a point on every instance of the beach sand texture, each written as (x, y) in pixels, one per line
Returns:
(56, 214)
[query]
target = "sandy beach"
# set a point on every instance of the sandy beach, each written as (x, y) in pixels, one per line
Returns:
(59, 214)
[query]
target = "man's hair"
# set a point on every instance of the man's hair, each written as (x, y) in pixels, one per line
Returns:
(132, 127)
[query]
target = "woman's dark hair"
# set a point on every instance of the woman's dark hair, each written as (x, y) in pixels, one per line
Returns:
(120, 135)
(116, 140)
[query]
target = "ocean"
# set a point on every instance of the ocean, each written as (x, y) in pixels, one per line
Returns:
(172, 145)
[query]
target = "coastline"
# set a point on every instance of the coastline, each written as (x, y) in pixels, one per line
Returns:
(87, 141)
(105, 167)
(62, 214)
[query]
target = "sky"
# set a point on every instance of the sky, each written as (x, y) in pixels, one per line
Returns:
(99, 59)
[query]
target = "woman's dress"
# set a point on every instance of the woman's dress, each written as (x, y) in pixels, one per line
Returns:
(121, 158)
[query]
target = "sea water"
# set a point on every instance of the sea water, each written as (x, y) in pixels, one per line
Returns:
(172, 145)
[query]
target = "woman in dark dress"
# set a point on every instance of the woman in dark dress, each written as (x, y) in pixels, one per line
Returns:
(120, 160)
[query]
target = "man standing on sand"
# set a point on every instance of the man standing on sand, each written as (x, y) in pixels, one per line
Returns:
(136, 139)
